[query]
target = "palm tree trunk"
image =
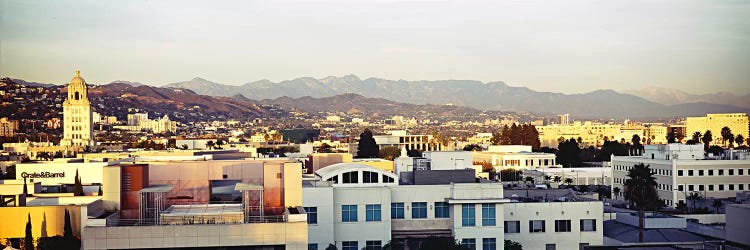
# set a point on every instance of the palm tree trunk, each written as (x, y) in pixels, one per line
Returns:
(640, 224)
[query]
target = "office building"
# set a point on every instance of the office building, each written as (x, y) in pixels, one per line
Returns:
(77, 122)
(737, 122)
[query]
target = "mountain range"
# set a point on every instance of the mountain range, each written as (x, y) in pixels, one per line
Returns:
(479, 95)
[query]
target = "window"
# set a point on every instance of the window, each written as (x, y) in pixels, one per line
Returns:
(387, 179)
(536, 226)
(372, 212)
(700, 172)
(512, 227)
(489, 244)
(731, 172)
(721, 171)
(468, 216)
(348, 213)
(334, 180)
(710, 172)
(691, 188)
(710, 187)
(442, 210)
(418, 210)
(739, 171)
(369, 177)
(349, 245)
(690, 172)
(488, 215)
(550, 247)
(721, 187)
(700, 188)
(680, 187)
(350, 177)
(312, 215)
(582, 246)
(373, 245)
(740, 186)
(588, 225)
(679, 172)
(312, 246)
(562, 225)
(397, 210)
(469, 244)
(731, 186)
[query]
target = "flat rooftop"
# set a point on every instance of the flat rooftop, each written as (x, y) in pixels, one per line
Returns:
(203, 210)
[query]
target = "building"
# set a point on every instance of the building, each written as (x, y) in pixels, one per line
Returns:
(8, 127)
(77, 121)
(135, 119)
(737, 223)
(590, 133)
(345, 200)
(162, 125)
(563, 119)
(401, 139)
(682, 169)
(737, 122)
(515, 157)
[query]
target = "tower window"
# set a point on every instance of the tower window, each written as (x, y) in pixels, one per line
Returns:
(77, 95)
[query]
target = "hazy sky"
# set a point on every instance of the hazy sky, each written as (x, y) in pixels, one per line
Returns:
(560, 46)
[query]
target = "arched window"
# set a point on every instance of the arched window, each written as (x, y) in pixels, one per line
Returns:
(77, 95)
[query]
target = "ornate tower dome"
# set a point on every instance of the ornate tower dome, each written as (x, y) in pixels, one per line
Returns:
(77, 89)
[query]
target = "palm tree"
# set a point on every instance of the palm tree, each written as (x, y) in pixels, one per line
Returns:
(568, 181)
(726, 134)
(616, 190)
(697, 137)
(210, 145)
(707, 139)
(739, 140)
(557, 179)
(640, 190)
(529, 179)
(717, 205)
(694, 198)
(547, 178)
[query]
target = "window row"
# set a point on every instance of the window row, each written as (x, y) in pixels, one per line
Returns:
(712, 187)
(468, 215)
(540, 226)
(487, 243)
(664, 172)
(367, 177)
(713, 172)
(351, 245)
(419, 210)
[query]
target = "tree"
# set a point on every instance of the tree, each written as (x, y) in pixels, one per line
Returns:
(440, 243)
(682, 206)
(28, 240)
(219, 143)
(739, 140)
(557, 179)
(510, 175)
(671, 138)
(512, 245)
(184, 146)
(696, 138)
(367, 147)
(568, 181)
(325, 148)
(529, 179)
(68, 228)
(414, 153)
(569, 154)
(486, 166)
(389, 153)
(693, 197)
(472, 147)
(331, 247)
(715, 150)
(640, 190)
(726, 135)
(78, 186)
(616, 190)
(707, 139)
(210, 144)
(717, 205)
(636, 140)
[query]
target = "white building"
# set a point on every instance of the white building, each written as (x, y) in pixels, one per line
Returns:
(354, 206)
(682, 169)
(401, 139)
(77, 121)
(515, 157)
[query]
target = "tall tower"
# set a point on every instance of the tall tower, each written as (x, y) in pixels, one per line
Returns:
(78, 126)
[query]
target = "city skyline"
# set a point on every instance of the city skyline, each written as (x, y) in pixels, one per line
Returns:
(697, 47)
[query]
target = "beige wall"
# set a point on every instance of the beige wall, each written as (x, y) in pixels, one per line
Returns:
(293, 235)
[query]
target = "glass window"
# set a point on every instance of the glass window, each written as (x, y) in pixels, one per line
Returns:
(387, 179)
(721, 187)
(488, 215)
(372, 212)
(731, 172)
(373, 245)
(442, 210)
(349, 245)
(397, 210)
(680, 187)
(550, 247)
(690, 172)
(369, 177)
(312, 246)
(562, 225)
(710, 172)
(739, 171)
(512, 227)
(721, 171)
(348, 213)
(312, 215)
(469, 244)
(536, 226)
(679, 172)
(468, 216)
(489, 244)
(588, 225)
(700, 172)
(710, 187)
(350, 177)
(691, 188)
(700, 188)
(731, 186)
(740, 186)
(418, 210)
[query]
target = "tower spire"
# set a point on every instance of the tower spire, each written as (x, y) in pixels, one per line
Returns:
(78, 73)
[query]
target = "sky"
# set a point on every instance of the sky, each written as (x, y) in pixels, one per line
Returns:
(567, 46)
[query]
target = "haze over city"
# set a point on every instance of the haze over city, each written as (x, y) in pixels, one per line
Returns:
(556, 46)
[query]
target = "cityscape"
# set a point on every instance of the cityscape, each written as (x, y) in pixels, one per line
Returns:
(592, 144)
